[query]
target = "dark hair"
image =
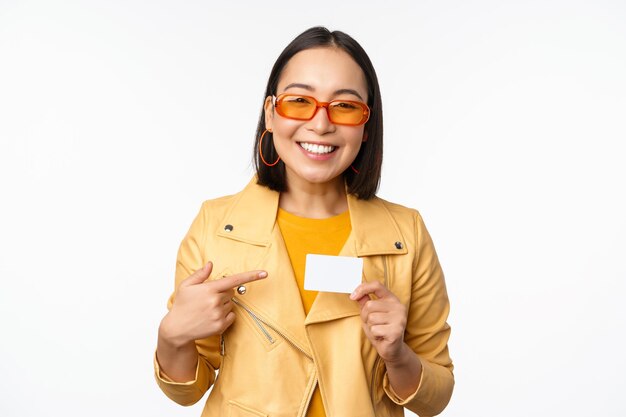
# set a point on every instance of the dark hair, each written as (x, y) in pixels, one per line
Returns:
(369, 160)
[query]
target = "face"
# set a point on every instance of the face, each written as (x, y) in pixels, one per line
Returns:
(317, 151)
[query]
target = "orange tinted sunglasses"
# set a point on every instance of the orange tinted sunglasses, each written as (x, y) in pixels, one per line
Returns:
(340, 112)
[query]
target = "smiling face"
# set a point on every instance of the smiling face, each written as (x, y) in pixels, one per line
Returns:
(317, 151)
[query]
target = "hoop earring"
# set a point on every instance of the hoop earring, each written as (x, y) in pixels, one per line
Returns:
(261, 150)
(354, 169)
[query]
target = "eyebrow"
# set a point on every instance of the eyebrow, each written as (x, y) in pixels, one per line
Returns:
(311, 89)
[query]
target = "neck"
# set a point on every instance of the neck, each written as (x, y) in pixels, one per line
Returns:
(315, 201)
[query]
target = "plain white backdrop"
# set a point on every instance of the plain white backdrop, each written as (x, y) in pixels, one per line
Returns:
(505, 124)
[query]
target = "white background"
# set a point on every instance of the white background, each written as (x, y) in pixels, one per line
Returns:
(504, 125)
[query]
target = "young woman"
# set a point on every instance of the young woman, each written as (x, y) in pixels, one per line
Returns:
(240, 306)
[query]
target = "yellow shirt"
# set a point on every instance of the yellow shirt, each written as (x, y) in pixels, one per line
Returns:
(318, 236)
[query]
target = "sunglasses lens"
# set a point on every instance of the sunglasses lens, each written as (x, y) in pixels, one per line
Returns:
(347, 113)
(350, 113)
(296, 107)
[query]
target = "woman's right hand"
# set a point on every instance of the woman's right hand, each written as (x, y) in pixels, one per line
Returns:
(203, 308)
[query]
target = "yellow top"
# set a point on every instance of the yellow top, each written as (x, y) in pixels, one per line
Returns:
(317, 236)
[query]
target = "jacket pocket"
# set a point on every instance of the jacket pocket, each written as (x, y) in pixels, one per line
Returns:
(236, 409)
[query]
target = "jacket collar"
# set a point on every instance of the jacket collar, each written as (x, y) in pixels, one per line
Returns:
(253, 214)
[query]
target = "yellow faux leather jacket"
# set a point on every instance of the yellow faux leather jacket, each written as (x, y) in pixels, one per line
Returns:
(272, 357)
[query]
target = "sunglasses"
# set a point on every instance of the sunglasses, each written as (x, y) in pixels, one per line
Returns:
(340, 112)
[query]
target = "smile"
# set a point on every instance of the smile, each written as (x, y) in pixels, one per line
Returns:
(317, 149)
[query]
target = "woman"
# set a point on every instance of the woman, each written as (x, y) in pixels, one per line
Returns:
(240, 306)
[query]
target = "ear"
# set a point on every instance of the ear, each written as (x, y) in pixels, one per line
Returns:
(365, 136)
(268, 108)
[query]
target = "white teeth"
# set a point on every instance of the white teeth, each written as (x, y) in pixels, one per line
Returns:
(319, 149)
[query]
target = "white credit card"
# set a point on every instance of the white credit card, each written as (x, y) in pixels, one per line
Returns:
(332, 273)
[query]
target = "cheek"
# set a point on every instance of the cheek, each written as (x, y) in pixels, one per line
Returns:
(284, 134)
(284, 129)
(354, 136)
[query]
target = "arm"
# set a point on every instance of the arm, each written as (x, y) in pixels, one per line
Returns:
(413, 342)
(427, 331)
(202, 310)
(384, 320)
(193, 372)
(199, 312)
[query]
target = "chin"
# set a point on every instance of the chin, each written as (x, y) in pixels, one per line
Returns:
(318, 177)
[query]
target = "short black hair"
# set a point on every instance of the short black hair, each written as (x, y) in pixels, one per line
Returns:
(370, 158)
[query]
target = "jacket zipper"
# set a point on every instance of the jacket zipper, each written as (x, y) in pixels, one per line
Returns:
(374, 378)
(385, 271)
(260, 322)
(308, 401)
(378, 358)
(256, 320)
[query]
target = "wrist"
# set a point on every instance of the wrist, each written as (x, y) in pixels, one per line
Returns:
(168, 335)
(404, 374)
(405, 358)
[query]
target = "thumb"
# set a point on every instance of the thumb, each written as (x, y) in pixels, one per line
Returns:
(363, 300)
(199, 276)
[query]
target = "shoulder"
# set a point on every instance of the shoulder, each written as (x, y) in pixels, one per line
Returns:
(223, 204)
(396, 209)
(409, 222)
(251, 211)
(404, 215)
(219, 203)
(211, 213)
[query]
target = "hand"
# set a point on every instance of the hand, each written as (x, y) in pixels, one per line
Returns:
(384, 320)
(203, 309)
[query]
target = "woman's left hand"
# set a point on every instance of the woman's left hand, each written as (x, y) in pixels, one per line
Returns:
(384, 319)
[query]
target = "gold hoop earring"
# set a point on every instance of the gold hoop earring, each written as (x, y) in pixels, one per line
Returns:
(261, 150)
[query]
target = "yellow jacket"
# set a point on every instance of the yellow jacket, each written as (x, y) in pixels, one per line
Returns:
(272, 356)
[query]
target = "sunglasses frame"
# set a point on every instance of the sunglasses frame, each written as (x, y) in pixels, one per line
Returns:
(277, 100)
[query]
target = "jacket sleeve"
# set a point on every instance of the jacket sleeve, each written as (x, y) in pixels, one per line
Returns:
(427, 331)
(191, 257)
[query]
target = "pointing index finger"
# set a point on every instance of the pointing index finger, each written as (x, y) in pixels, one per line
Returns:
(236, 280)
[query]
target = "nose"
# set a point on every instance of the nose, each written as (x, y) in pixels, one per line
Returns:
(320, 123)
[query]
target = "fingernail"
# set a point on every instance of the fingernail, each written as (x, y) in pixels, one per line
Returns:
(262, 274)
(353, 295)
